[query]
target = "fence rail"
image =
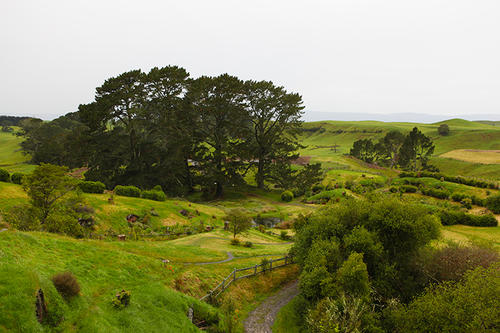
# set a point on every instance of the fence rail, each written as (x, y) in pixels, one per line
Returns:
(237, 274)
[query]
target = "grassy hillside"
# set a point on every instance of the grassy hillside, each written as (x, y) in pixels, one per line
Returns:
(11, 157)
(328, 141)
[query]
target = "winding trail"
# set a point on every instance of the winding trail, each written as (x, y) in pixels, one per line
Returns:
(281, 243)
(230, 257)
(262, 318)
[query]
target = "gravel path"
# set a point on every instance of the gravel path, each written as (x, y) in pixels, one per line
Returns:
(281, 243)
(262, 318)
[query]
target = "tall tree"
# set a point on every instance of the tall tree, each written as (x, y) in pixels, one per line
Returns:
(222, 127)
(364, 149)
(275, 115)
(416, 150)
(388, 147)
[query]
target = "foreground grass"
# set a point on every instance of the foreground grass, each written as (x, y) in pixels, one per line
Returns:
(28, 260)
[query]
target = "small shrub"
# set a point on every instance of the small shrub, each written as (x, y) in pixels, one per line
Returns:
(66, 284)
(451, 217)
(284, 235)
(248, 244)
(4, 176)
(122, 299)
(127, 191)
(317, 188)
(158, 188)
(92, 187)
(393, 189)
(287, 196)
(235, 241)
(154, 195)
(408, 189)
(458, 197)
(17, 178)
(493, 203)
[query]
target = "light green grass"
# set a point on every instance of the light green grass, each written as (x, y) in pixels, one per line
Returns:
(288, 320)
(11, 157)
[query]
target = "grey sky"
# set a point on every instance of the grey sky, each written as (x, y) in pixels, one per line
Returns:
(359, 56)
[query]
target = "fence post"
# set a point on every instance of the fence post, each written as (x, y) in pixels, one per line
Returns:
(286, 259)
(271, 264)
(255, 270)
(234, 274)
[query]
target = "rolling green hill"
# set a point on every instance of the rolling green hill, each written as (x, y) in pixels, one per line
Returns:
(321, 139)
(11, 157)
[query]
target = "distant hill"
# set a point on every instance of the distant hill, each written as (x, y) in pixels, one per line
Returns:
(328, 141)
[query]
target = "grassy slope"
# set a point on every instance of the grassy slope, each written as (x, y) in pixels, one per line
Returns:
(30, 259)
(11, 157)
(463, 135)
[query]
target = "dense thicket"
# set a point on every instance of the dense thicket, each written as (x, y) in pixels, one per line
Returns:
(162, 127)
(11, 120)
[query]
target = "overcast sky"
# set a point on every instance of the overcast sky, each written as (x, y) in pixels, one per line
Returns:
(343, 56)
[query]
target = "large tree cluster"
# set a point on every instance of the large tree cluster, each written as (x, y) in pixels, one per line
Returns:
(163, 127)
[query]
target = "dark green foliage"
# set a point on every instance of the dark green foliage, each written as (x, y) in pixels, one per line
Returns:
(471, 305)
(66, 284)
(284, 235)
(4, 176)
(235, 241)
(387, 148)
(452, 217)
(287, 196)
(158, 188)
(415, 151)
(386, 230)
(154, 195)
(127, 191)
(17, 177)
(493, 203)
(91, 187)
(307, 176)
(363, 149)
(23, 217)
(352, 276)
(443, 129)
(248, 244)
(436, 193)
(408, 189)
(458, 197)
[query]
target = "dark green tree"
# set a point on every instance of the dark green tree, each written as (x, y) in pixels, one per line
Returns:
(387, 148)
(223, 128)
(416, 150)
(275, 115)
(364, 149)
(443, 129)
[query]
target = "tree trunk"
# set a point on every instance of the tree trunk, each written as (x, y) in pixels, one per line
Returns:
(260, 173)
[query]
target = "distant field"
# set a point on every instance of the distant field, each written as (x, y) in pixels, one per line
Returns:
(474, 155)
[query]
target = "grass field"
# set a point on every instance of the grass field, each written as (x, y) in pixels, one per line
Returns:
(11, 157)
(474, 156)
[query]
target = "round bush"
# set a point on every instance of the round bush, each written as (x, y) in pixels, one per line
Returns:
(493, 204)
(92, 187)
(154, 195)
(4, 176)
(17, 178)
(287, 196)
(66, 284)
(408, 188)
(127, 191)
(158, 188)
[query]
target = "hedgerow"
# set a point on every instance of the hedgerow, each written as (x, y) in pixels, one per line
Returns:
(127, 191)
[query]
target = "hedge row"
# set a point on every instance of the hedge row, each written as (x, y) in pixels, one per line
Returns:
(92, 187)
(451, 179)
(451, 217)
(132, 191)
(460, 197)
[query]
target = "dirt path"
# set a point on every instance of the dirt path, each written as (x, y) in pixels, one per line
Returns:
(262, 318)
(281, 243)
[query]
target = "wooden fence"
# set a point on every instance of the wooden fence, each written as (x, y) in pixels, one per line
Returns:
(242, 273)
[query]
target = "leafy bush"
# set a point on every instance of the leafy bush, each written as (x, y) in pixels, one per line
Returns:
(92, 187)
(408, 189)
(432, 192)
(17, 177)
(66, 284)
(325, 196)
(458, 197)
(467, 203)
(158, 188)
(493, 204)
(451, 217)
(413, 181)
(235, 241)
(127, 191)
(287, 196)
(451, 179)
(23, 217)
(265, 264)
(284, 235)
(4, 176)
(318, 187)
(154, 195)
(248, 244)
(393, 189)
